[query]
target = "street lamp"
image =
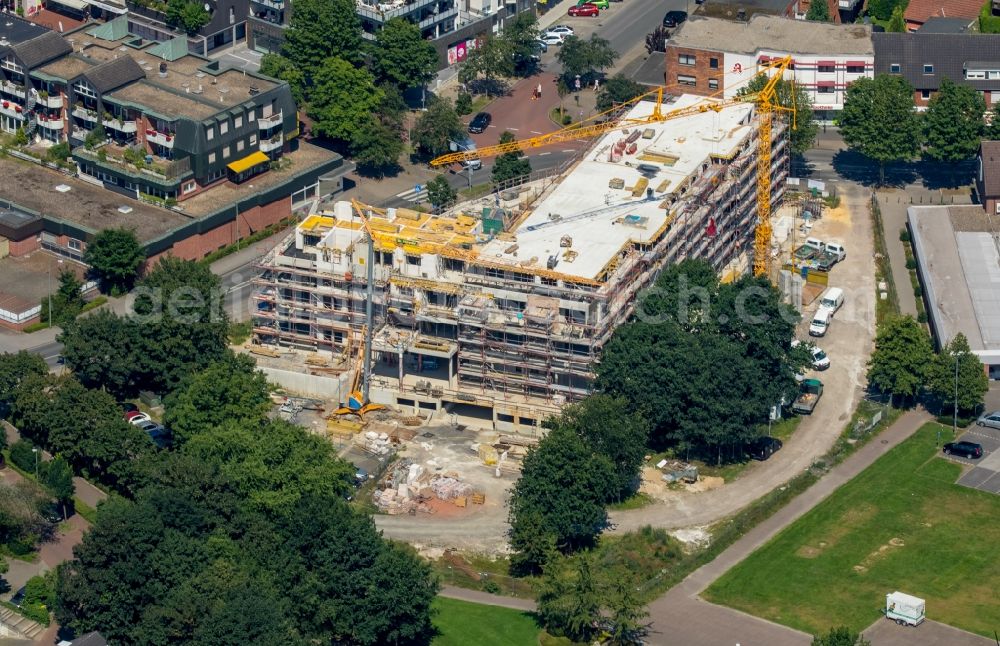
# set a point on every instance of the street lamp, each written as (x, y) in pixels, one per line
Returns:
(954, 420)
(35, 451)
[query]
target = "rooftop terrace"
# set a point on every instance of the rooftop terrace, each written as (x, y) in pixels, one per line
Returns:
(772, 33)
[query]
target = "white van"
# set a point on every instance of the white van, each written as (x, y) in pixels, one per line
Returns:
(832, 299)
(836, 250)
(820, 322)
(815, 243)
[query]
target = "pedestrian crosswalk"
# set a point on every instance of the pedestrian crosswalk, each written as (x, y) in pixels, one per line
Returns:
(414, 195)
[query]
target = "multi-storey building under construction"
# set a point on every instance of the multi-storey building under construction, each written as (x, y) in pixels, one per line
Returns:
(501, 311)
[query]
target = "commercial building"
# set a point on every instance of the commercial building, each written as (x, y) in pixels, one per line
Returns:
(505, 306)
(453, 26)
(924, 59)
(712, 56)
(959, 267)
(154, 123)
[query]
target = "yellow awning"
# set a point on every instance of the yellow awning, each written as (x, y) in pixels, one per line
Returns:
(248, 162)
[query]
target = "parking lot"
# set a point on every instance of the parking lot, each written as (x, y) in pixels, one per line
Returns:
(985, 472)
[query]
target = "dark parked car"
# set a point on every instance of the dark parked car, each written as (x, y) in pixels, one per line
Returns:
(18, 597)
(128, 407)
(480, 122)
(674, 18)
(964, 449)
(763, 447)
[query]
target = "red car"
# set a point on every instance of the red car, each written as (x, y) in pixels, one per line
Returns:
(586, 10)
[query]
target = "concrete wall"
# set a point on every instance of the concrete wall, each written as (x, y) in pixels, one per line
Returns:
(298, 383)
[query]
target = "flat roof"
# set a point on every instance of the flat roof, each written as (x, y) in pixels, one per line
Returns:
(17, 30)
(958, 258)
(67, 67)
(305, 157)
(763, 32)
(678, 148)
(88, 206)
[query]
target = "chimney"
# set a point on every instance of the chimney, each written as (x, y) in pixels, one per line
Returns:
(163, 70)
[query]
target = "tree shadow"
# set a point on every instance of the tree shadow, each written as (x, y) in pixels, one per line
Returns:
(379, 171)
(932, 175)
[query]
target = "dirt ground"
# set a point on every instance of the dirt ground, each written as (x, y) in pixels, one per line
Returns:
(29, 277)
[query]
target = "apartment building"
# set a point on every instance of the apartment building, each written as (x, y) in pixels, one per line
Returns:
(141, 117)
(451, 25)
(505, 307)
(711, 56)
(924, 59)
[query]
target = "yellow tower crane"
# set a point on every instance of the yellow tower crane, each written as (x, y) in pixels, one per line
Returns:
(767, 104)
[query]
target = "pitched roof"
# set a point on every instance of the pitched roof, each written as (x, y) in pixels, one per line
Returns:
(170, 50)
(921, 10)
(112, 30)
(90, 639)
(114, 74)
(990, 152)
(948, 53)
(939, 25)
(41, 49)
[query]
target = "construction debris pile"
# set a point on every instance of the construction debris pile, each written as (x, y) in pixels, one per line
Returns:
(674, 471)
(377, 443)
(407, 489)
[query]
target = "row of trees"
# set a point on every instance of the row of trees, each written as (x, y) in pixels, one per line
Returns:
(879, 120)
(505, 55)
(905, 365)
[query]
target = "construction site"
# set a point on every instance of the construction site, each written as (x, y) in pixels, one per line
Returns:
(497, 309)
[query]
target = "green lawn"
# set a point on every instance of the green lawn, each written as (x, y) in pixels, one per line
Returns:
(461, 623)
(902, 524)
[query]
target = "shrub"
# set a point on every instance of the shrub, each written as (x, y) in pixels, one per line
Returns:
(918, 291)
(34, 327)
(58, 153)
(921, 316)
(463, 103)
(36, 612)
(904, 235)
(23, 455)
(911, 264)
(567, 119)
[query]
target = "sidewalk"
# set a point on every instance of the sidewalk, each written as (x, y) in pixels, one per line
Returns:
(893, 205)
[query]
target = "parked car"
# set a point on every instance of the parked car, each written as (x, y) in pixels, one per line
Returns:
(540, 45)
(480, 122)
(674, 18)
(132, 413)
(148, 426)
(360, 476)
(989, 419)
(18, 597)
(600, 4)
(128, 407)
(562, 30)
(964, 449)
(585, 10)
(820, 322)
(819, 359)
(141, 418)
(552, 39)
(161, 437)
(763, 447)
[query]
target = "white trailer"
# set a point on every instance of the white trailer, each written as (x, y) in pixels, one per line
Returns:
(904, 609)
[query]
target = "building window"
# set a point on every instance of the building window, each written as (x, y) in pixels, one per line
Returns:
(713, 63)
(239, 146)
(686, 59)
(223, 127)
(928, 69)
(713, 84)
(826, 68)
(895, 68)
(978, 74)
(687, 80)
(189, 186)
(824, 89)
(210, 133)
(74, 244)
(211, 158)
(855, 69)
(253, 140)
(238, 121)
(225, 152)
(925, 94)
(251, 116)
(993, 75)
(232, 16)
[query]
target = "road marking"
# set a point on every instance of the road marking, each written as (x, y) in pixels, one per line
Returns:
(512, 129)
(535, 132)
(568, 150)
(543, 154)
(413, 196)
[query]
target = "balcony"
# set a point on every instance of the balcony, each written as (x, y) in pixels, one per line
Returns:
(266, 123)
(127, 127)
(85, 114)
(54, 102)
(277, 5)
(151, 169)
(399, 9)
(272, 144)
(437, 18)
(165, 139)
(10, 88)
(51, 124)
(11, 110)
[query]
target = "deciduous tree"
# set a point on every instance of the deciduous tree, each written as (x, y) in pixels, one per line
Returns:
(972, 383)
(401, 56)
(580, 57)
(882, 9)
(115, 256)
(818, 11)
(436, 126)
(617, 89)
(879, 120)
(280, 67)
(342, 99)
(440, 193)
(14, 368)
(953, 123)
(992, 131)
(104, 350)
(231, 390)
(902, 356)
(492, 58)
(320, 29)
(59, 481)
(377, 146)
(897, 24)
(510, 165)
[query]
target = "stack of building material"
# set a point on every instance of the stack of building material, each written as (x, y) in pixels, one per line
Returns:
(446, 488)
(376, 443)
